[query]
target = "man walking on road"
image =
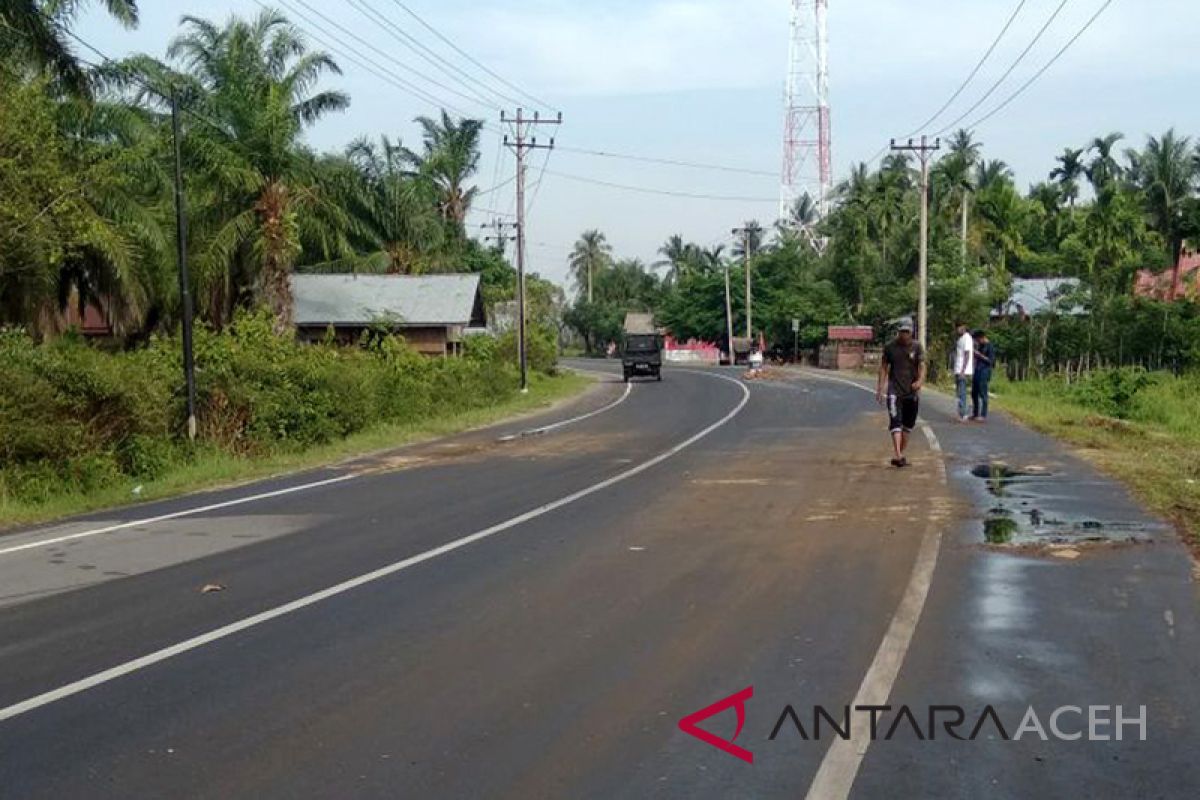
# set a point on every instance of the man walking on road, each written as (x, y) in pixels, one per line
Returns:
(964, 367)
(901, 376)
(985, 359)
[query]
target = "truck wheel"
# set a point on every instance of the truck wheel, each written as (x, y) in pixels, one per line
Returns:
(658, 376)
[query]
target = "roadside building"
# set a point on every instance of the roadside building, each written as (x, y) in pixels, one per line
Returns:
(846, 347)
(432, 312)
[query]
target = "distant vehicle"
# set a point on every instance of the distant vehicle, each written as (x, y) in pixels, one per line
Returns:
(642, 355)
(641, 350)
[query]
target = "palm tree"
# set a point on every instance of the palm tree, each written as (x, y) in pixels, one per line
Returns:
(256, 197)
(1067, 173)
(394, 216)
(1104, 169)
(592, 254)
(675, 254)
(42, 35)
(1166, 171)
(449, 158)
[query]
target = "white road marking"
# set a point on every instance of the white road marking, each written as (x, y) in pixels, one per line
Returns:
(195, 642)
(187, 512)
(842, 760)
(547, 428)
(264, 495)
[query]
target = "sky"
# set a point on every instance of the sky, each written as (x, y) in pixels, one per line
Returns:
(703, 81)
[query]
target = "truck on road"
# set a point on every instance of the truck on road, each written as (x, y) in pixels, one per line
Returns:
(641, 348)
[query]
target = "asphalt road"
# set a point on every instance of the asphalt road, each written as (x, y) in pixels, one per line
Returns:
(508, 615)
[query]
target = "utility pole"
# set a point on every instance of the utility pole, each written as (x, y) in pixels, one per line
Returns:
(924, 151)
(521, 144)
(500, 237)
(185, 293)
(728, 316)
(746, 233)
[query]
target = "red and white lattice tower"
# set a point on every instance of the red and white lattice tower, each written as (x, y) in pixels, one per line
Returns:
(807, 159)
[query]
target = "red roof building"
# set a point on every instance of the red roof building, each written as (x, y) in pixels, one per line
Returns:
(1180, 283)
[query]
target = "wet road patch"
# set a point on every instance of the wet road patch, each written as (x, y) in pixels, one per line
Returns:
(1032, 507)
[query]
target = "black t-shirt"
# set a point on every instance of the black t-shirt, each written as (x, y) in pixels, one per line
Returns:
(904, 366)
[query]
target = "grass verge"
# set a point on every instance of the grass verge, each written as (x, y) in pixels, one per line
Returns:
(1153, 446)
(211, 468)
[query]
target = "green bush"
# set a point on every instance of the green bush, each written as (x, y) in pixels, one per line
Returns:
(76, 419)
(1112, 391)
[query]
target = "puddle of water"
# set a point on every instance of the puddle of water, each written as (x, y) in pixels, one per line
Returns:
(1015, 517)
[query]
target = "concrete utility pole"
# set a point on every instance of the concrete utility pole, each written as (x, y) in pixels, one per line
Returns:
(521, 143)
(746, 233)
(924, 152)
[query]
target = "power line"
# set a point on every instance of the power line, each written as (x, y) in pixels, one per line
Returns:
(665, 192)
(472, 59)
(1043, 70)
(373, 48)
(429, 56)
(962, 87)
(974, 72)
(1008, 71)
(384, 73)
(670, 162)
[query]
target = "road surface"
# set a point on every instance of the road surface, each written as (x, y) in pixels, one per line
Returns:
(530, 611)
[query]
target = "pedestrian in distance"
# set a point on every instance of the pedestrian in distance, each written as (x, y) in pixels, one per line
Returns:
(985, 360)
(964, 367)
(901, 375)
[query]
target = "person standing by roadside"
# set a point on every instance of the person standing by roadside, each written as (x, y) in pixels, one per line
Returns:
(964, 367)
(985, 360)
(901, 376)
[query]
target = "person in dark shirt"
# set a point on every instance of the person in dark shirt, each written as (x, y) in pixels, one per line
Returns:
(985, 359)
(901, 376)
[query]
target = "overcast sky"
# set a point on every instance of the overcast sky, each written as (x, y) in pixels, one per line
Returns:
(702, 80)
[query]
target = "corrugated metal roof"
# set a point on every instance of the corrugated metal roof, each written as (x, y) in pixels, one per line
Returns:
(363, 299)
(1038, 295)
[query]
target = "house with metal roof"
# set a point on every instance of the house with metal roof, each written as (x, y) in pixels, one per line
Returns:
(431, 312)
(1033, 296)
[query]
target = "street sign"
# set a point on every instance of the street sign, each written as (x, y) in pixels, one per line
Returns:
(795, 325)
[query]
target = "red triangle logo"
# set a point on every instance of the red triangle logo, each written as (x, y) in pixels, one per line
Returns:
(690, 724)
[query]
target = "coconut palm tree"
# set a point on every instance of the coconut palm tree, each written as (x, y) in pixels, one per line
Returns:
(449, 158)
(1070, 168)
(592, 254)
(256, 197)
(675, 255)
(41, 35)
(1166, 171)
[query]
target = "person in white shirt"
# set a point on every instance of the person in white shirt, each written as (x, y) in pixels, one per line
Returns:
(964, 367)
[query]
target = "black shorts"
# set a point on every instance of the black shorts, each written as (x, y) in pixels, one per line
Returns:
(902, 413)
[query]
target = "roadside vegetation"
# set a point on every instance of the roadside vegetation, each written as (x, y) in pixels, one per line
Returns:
(87, 221)
(1141, 427)
(1106, 210)
(82, 428)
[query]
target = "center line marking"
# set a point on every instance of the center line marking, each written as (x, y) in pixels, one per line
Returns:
(195, 642)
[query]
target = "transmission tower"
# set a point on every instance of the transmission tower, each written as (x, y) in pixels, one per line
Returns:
(807, 159)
